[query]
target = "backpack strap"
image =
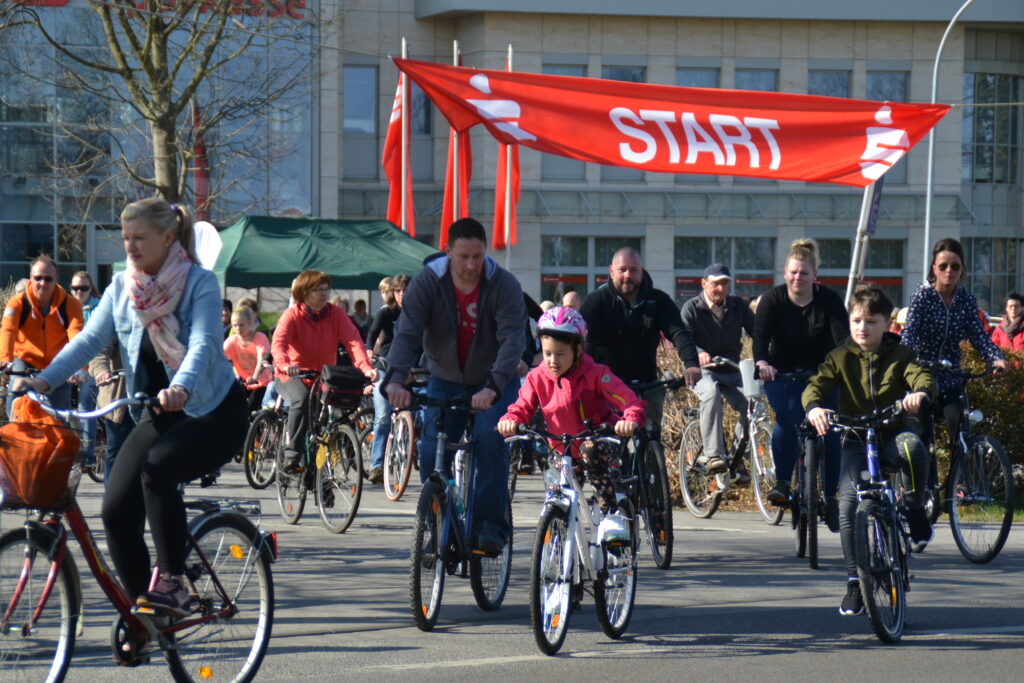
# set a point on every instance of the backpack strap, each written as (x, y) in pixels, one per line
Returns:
(26, 310)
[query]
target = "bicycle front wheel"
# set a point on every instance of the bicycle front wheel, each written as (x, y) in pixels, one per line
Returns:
(615, 588)
(339, 478)
(291, 490)
(811, 493)
(398, 454)
(226, 636)
(657, 502)
(259, 454)
(41, 650)
(700, 487)
(550, 588)
(426, 562)
(762, 474)
(879, 568)
(981, 499)
(488, 576)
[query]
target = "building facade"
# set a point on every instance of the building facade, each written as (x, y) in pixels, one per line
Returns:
(572, 216)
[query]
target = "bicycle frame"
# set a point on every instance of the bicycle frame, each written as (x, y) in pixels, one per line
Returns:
(566, 493)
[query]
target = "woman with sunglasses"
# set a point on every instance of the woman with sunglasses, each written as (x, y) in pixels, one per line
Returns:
(942, 314)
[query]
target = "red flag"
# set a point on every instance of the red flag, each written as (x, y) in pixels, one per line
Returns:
(448, 214)
(200, 168)
(671, 129)
(501, 186)
(392, 163)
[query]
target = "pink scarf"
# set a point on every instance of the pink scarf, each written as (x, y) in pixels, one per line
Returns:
(154, 298)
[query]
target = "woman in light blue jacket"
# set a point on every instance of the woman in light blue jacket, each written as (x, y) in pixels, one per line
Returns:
(165, 311)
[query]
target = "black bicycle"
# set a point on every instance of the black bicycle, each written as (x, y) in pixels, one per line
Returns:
(978, 494)
(881, 540)
(644, 467)
(807, 502)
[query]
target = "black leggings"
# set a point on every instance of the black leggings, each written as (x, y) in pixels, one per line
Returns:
(903, 452)
(161, 452)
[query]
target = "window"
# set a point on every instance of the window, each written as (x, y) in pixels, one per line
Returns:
(632, 74)
(991, 135)
(883, 265)
(552, 166)
(697, 78)
(360, 102)
(765, 80)
(577, 263)
(993, 270)
(828, 83)
(420, 112)
(751, 260)
(891, 86)
(22, 242)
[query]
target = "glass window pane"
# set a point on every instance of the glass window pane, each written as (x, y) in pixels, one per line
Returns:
(564, 69)
(360, 101)
(692, 253)
(633, 74)
(557, 250)
(23, 242)
(420, 111)
(754, 253)
(605, 248)
(697, 78)
(834, 253)
(829, 83)
(553, 286)
(887, 85)
(765, 80)
(886, 254)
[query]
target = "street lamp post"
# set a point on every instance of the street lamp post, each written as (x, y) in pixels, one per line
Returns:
(931, 146)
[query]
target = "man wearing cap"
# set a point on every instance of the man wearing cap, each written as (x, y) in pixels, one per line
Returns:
(716, 322)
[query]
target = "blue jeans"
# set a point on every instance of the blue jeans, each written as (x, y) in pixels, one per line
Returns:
(86, 402)
(784, 398)
(490, 454)
(117, 432)
(381, 424)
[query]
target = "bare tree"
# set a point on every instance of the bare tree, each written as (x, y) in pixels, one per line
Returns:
(138, 83)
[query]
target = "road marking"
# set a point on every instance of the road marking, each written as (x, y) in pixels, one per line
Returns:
(977, 630)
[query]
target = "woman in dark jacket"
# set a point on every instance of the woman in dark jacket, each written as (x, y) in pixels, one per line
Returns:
(378, 341)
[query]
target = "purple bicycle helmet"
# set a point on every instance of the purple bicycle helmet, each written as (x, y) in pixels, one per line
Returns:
(563, 320)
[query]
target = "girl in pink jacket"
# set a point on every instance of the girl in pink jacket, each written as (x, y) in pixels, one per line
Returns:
(569, 387)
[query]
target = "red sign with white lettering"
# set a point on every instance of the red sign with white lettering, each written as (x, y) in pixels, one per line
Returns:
(681, 130)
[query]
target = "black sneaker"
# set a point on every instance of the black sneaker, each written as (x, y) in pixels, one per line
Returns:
(377, 475)
(292, 465)
(779, 495)
(853, 604)
(921, 531)
(488, 540)
(742, 477)
(168, 595)
(832, 514)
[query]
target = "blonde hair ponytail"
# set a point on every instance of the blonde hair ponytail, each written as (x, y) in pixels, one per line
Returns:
(163, 216)
(805, 249)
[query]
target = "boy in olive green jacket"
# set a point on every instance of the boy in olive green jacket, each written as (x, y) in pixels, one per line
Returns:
(873, 370)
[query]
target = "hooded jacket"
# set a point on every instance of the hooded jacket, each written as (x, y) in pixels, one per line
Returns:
(588, 391)
(430, 323)
(625, 337)
(40, 337)
(868, 380)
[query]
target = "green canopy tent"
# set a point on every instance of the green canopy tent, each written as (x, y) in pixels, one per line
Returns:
(264, 251)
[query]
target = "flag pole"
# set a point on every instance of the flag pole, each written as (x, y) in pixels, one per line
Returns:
(508, 182)
(455, 152)
(405, 141)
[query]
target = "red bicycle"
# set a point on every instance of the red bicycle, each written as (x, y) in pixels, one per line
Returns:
(225, 636)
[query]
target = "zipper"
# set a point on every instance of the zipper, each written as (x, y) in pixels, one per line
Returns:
(871, 382)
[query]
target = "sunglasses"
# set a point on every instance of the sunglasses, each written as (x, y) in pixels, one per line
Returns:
(948, 266)
(42, 278)
(80, 288)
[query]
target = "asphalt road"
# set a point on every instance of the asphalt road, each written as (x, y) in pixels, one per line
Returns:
(736, 605)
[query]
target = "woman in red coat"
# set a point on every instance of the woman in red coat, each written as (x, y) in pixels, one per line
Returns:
(1009, 335)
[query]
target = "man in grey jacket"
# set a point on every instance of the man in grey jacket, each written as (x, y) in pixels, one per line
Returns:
(466, 313)
(716, 321)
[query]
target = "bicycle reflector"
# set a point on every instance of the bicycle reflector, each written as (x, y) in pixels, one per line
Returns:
(975, 416)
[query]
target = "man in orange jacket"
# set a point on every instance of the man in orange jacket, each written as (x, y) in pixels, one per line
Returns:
(37, 323)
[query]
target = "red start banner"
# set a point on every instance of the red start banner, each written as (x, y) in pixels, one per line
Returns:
(672, 129)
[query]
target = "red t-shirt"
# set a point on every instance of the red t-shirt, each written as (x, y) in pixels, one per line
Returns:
(466, 304)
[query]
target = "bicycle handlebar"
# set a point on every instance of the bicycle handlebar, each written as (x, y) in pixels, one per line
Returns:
(140, 400)
(947, 367)
(670, 382)
(721, 361)
(877, 418)
(603, 433)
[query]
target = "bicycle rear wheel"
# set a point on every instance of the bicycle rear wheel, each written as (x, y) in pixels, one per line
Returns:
(44, 652)
(615, 588)
(291, 490)
(399, 454)
(762, 474)
(700, 487)
(811, 493)
(426, 562)
(259, 455)
(550, 589)
(516, 456)
(657, 501)
(879, 558)
(488, 576)
(981, 499)
(339, 478)
(236, 573)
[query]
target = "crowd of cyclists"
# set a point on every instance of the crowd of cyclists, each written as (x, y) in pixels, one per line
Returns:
(163, 324)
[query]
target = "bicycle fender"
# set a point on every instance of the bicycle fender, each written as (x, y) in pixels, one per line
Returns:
(260, 538)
